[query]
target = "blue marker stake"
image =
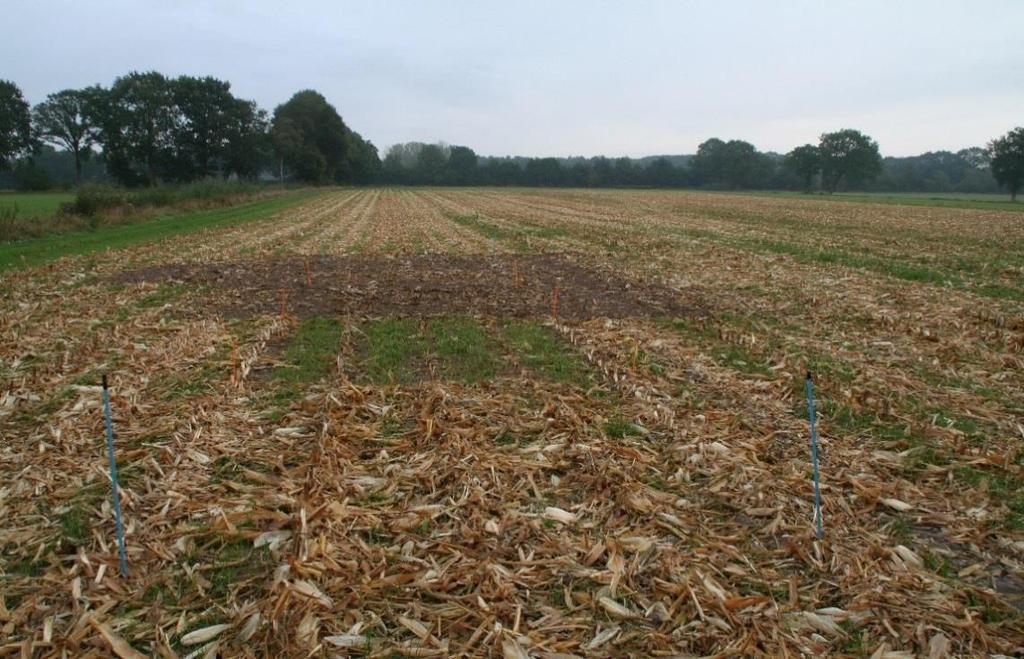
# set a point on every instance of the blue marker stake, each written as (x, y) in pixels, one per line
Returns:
(814, 455)
(114, 484)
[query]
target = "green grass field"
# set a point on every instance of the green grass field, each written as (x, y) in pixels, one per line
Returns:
(48, 248)
(33, 204)
(992, 202)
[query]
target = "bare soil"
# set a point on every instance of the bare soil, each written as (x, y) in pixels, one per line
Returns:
(513, 286)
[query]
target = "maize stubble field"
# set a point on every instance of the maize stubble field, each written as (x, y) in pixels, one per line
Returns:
(438, 422)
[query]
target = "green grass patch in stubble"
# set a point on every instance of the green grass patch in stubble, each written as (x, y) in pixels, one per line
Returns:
(855, 641)
(990, 610)
(397, 350)
(391, 426)
(44, 411)
(163, 294)
(899, 528)
(392, 350)
(189, 385)
(838, 418)
(486, 229)
(646, 361)
(704, 333)
(539, 349)
(1002, 487)
(507, 437)
(619, 427)
(75, 519)
(956, 273)
(938, 564)
(517, 236)
(739, 358)
(311, 353)
(998, 291)
(976, 431)
(233, 468)
(168, 591)
(23, 567)
(309, 356)
(193, 382)
(848, 421)
(833, 368)
(463, 349)
(236, 561)
(75, 526)
(536, 229)
(894, 267)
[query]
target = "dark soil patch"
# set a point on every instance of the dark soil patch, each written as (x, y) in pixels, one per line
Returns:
(513, 286)
(960, 555)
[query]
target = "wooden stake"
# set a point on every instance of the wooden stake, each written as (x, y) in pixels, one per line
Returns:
(309, 274)
(554, 302)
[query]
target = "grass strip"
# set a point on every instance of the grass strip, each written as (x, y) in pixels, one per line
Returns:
(393, 350)
(540, 350)
(41, 250)
(464, 349)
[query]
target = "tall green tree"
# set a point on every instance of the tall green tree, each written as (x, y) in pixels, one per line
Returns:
(601, 172)
(431, 162)
(578, 174)
(708, 164)
(660, 173)
(462, 165)
(805, 162)
(544, 172)
(848, 155)
(138, 121)
(249, 148)
(1008, 160)
(365, 161)
(732, 164)
(206, 125)
(311, 138)
(15, 124)
(63, 120)
(976, 156)
(392, 168)
(501, 171)
(623, 172)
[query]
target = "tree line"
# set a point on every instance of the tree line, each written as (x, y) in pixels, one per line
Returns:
(147, 128)
(841, 160)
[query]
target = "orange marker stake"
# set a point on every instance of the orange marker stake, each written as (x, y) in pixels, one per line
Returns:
(284, 303)
(554, 302)
(309, 275)
(236, 371)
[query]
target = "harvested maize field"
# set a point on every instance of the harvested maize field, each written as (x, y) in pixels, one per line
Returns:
(522, 423)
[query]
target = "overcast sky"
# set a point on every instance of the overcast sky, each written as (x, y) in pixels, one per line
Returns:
(565, 78)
